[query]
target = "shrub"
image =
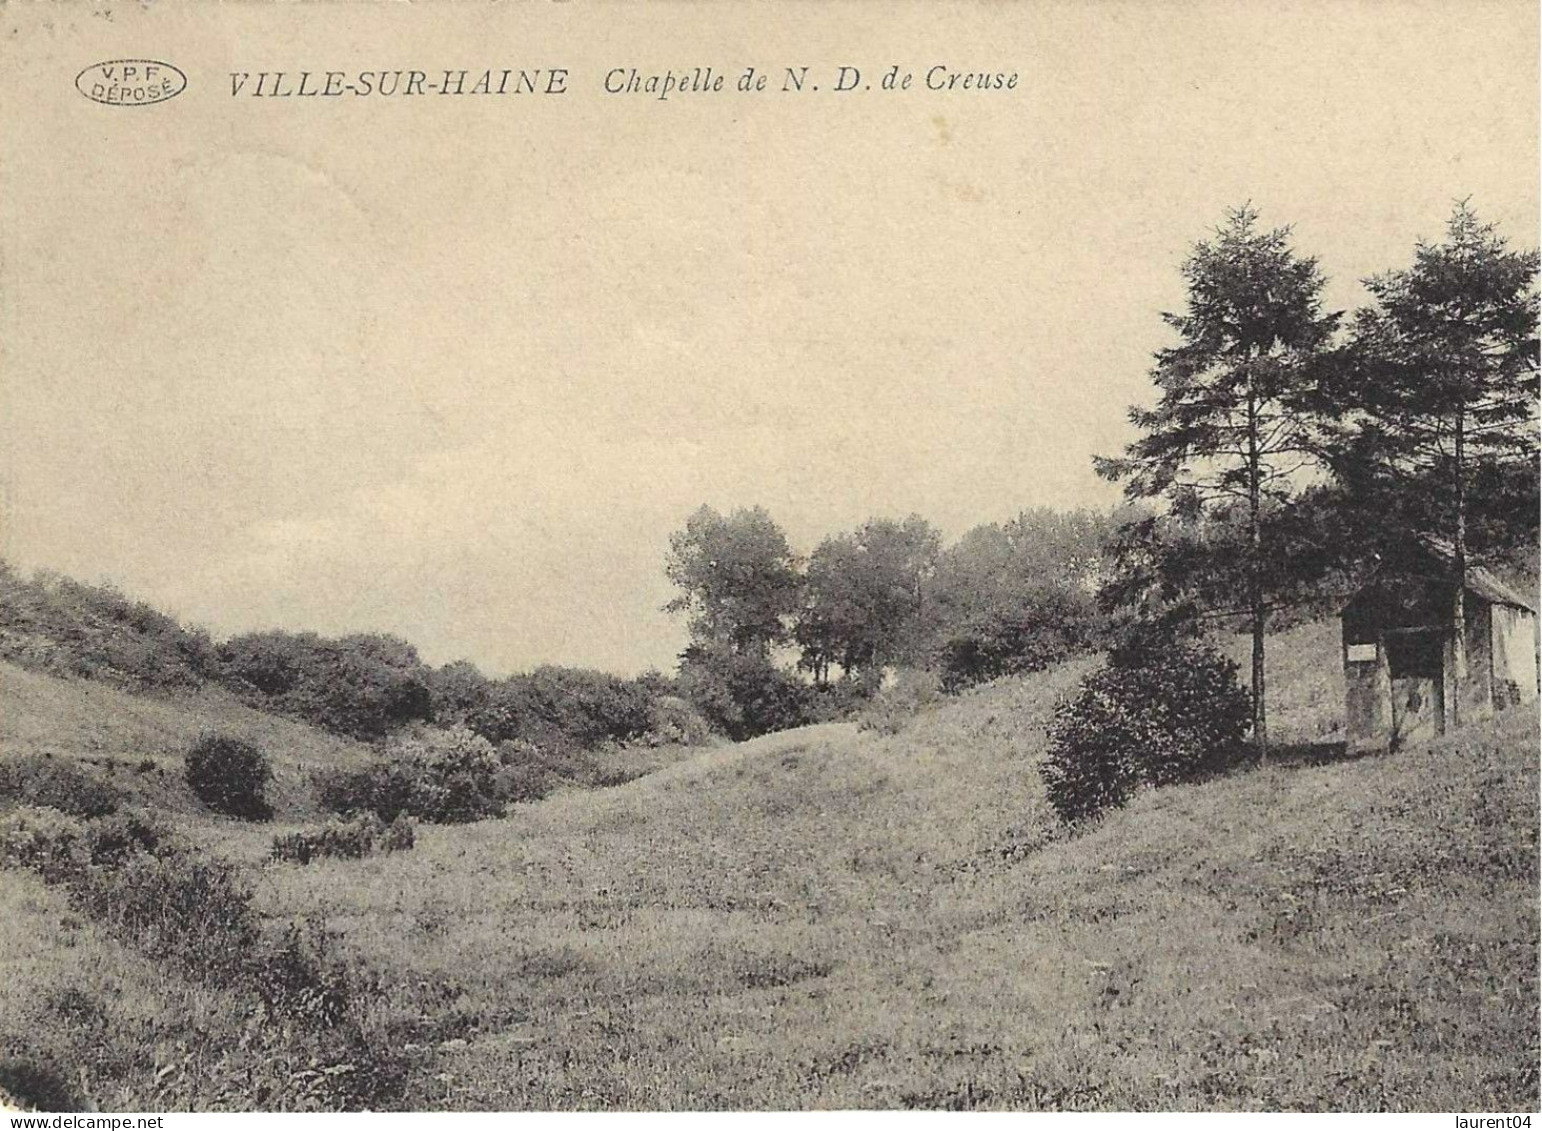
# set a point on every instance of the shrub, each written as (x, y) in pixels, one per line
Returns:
(173, 904)
(364, 686)
(347, 838)
(383, 788)
(672, 721)
(56, 625)
(838, 701)
(567, 708)
(529, 772)
(1158, 713)
(48, 782)
(891, 710)
(298, 977)
(42, 839)
(60, 847)
(111, 840)
(893, 707)
(454, 774)
(444, 776)
(301, 1026)
(743, 694)
(1023, 639)
(230, 776)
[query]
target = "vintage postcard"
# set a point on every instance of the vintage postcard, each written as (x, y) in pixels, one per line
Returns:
(846, 556)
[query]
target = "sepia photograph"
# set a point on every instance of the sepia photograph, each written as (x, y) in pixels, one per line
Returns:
(842, 557)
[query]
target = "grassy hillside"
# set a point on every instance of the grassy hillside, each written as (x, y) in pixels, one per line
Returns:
(137, 742)
(834, 918)
(1304, 681)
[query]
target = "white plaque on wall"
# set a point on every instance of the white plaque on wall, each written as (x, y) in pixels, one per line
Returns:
(1362, 653)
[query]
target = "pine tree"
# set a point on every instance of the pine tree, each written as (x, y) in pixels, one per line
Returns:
(1443, 387)
(1233, 428)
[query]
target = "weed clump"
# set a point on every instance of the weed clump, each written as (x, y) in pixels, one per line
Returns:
(346, 838)
(892, 708)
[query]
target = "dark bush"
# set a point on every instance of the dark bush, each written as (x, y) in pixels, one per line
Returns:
(383, 788)
(1157, 713)
(1023, 639)
(364, 686)
(45, 781)
(230, 776)
(743, 694)
(570, 708)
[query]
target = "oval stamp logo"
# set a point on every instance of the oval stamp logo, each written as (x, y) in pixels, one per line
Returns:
(130, 82)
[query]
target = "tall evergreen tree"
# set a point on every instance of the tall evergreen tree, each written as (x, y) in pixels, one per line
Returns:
(1234, 426)
(1442, 390)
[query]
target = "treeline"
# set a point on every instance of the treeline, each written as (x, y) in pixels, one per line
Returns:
(366, 686)
(778, 638)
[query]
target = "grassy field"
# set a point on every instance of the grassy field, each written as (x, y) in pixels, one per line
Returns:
(137, 743)
(1304, 682)
(828, 918)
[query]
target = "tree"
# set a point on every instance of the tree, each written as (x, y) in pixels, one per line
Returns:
(1016, 596)
(865, 595)
(738, 579)
(1234, 427)
(1443, 383)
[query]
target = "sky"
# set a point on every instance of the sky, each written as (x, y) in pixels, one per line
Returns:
(454, 368)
